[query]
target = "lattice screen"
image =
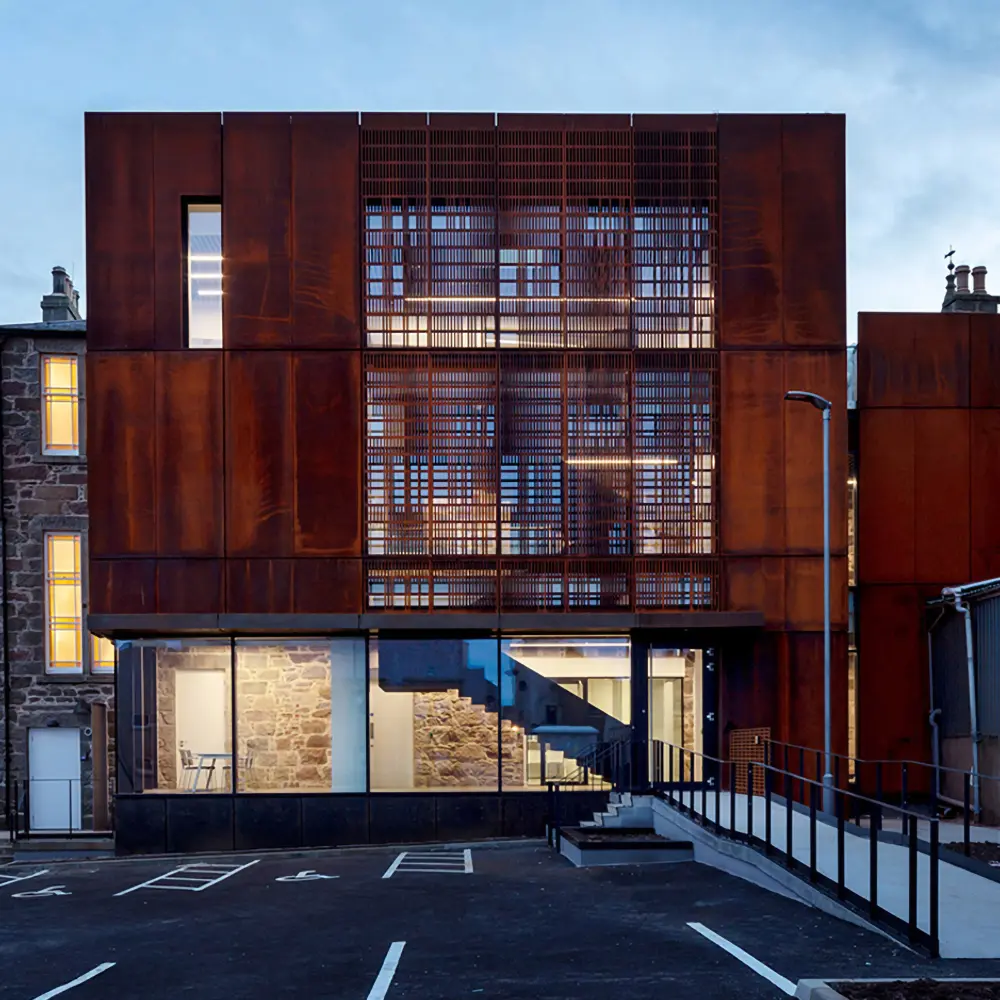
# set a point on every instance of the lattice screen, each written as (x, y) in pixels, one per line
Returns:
(541, 385)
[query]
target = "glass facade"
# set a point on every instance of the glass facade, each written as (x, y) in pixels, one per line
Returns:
(392, 714)
(204, 274)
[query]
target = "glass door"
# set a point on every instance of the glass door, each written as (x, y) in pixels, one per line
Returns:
(675, 713)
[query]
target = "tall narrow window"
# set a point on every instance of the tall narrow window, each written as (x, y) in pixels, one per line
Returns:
(204, 269)
(102, 655)
(61, 405)
(63, 603)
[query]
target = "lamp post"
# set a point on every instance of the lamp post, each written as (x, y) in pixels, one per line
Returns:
(825, 406)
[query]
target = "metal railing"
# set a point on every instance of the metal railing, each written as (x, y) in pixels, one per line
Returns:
(68, 797)
(611, 762)
(675, 765)
(876, 775)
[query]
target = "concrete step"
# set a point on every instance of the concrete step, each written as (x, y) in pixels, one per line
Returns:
(588, 847)
(64, 848)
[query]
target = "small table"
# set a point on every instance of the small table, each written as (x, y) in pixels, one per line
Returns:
(211, 759)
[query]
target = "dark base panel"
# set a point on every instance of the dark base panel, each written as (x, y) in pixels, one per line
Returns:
(157, 824)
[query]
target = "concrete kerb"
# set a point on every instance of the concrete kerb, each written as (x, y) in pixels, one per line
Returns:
(819, 989)
(746, 863)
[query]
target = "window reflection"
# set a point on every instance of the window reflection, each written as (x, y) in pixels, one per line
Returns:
(567, 700)
(204, 249)
(433, 722)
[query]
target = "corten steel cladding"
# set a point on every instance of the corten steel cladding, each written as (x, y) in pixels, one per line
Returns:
(541, 381)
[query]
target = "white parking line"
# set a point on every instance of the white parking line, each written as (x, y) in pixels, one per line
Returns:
(446, 862)
(96, 971)
(6, 880)
(388, 970)
(205, 875)
(785, 985)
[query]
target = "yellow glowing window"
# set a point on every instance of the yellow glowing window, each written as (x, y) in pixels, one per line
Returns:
(63, 603)
(102, 655)
(60, 405)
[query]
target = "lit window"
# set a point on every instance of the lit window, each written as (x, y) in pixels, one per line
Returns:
(61, 405)
(102, 655)
(63, 603)
(204, 268)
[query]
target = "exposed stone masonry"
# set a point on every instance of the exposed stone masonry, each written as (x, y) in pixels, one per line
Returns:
(455, 744)
(42, 493)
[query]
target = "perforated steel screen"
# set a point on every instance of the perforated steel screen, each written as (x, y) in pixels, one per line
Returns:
(541, 383)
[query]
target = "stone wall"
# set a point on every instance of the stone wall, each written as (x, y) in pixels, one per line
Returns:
(455, 744)
(283, 716)
(42, 493)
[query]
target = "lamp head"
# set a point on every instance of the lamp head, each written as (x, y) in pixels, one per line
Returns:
(798, 396)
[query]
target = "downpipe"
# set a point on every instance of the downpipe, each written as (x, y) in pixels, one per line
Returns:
(970, 660)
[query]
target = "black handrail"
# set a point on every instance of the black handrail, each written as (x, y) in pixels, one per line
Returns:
(905, 767)
(615, 753)
(844, 800)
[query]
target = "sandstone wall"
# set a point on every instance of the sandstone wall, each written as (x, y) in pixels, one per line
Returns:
(455, 744)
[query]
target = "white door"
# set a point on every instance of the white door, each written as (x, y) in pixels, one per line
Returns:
(200, 715)
(54, 775)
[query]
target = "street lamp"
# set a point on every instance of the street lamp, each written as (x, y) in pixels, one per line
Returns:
(825, 406)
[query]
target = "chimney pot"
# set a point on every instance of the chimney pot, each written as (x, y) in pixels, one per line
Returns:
(962, 278)
(59, 277)
(979, 280)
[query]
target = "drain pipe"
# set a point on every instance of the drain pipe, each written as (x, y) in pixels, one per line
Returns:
(934, 712)
(964, 609)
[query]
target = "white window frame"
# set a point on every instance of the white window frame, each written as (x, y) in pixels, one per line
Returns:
(76, 400)
(46, 582)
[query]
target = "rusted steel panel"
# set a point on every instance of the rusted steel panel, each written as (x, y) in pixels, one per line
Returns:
(822, 372)
(327, 400)
(187, 162)
(675, 123)
(327, 586)
(326, 247)
(985, 476)
(814, 252)
(804, 593)
(984, 332)
(748, 683)
(752, 474)
(750, 294)
(805, 683)
(122, 452)
(886, 502)
(120, 251)
(122, 586)
(913, 359)
(256, 229)
(189, 474)
(259, 454)
(189, 586)
(893, 696)
(394, 119)
(756, 583)
(259, 586)
(941, 496)
(462, 120)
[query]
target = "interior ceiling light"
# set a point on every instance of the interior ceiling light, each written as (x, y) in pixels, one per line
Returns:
(216, 257)
(622, 461)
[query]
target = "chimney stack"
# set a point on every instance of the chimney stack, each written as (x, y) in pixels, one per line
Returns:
(63, 303)
(979, 280)
(962, 277)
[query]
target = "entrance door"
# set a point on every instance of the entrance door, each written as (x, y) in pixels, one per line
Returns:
(54, 779)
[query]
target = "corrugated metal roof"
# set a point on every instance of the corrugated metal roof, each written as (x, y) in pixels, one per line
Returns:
(970, 591)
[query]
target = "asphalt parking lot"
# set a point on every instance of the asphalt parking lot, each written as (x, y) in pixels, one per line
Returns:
(491, 921)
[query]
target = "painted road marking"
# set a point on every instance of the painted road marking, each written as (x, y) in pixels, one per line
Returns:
(190, 878)
(96, 971)
(785, 985)
(451, 862)
(307, 876)
(52, 890)
(6, 880)
(388, 970)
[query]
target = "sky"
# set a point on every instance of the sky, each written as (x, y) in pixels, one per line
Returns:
(919, 82)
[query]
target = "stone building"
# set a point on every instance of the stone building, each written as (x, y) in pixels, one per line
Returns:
(58, 679)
